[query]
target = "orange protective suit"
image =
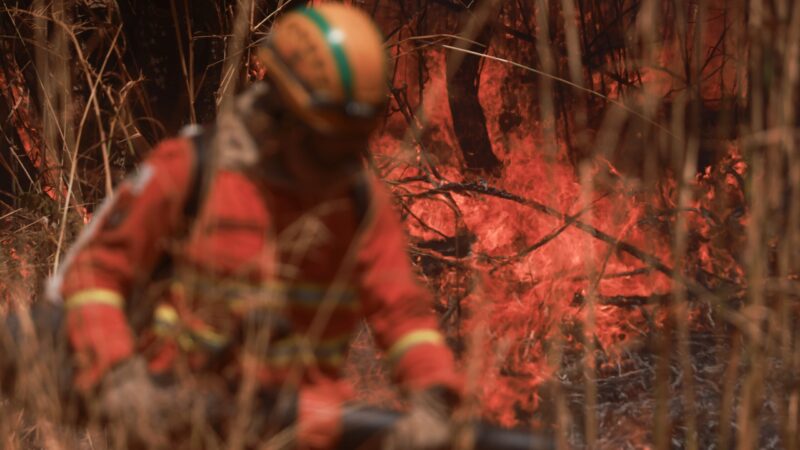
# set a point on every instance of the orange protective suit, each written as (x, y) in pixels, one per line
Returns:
(256, 254)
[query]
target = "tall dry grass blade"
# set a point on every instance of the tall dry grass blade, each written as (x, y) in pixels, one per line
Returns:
(589, 357)
(563, 416)
(91, 102)
(749, 409)
(547, 115)
(576, 74)
(729, 388)
(51, 129)
(236, 53)
(187, 67)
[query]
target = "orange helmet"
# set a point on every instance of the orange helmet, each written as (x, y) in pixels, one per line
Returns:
(329, 64)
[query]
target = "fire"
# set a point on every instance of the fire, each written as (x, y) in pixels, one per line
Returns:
(526, 275)
(562, 260)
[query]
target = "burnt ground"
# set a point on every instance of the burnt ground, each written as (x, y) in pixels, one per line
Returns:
(627, 396)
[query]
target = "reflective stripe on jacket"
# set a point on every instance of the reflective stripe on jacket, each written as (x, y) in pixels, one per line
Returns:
(255, 248)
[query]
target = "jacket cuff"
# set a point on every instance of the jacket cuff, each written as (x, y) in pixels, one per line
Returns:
(410, 340)
(428, 365)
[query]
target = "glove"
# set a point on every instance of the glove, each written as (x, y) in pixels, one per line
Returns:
(100, 339)
(132, 407)
(427, 425)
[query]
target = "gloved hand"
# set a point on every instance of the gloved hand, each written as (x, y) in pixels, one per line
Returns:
(100, 339)
(133, 409)
(427, 426)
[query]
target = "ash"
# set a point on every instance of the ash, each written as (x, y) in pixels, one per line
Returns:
(633, 403)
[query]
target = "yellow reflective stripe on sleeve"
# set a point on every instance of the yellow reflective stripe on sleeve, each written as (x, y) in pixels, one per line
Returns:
(412, 339)
(94, 297)
(168, 323)
(166, 314)
(210, 337)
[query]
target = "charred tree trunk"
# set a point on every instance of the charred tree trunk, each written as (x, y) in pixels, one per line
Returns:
(469, 120)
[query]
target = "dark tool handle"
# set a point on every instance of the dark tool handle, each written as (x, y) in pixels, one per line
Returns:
(364, 427)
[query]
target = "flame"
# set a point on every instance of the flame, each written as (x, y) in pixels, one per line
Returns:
(532, 266)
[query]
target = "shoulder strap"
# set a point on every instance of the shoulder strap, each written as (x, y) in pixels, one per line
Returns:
(362, 197)
(201, 138)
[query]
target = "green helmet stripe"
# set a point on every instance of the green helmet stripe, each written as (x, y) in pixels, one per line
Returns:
(335, 44)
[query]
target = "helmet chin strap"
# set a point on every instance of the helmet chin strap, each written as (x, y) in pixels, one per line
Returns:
(279, 135)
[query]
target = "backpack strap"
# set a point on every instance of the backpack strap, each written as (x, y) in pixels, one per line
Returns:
(141, 316)
(362, 197)
(201, 139)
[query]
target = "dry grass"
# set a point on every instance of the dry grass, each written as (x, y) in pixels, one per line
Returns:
(655, 90)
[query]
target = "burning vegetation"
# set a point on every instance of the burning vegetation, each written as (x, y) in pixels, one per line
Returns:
(604, 196)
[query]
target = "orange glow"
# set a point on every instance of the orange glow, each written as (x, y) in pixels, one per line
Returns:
(530, 294)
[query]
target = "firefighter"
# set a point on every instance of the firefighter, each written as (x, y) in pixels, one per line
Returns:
(292, 245)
